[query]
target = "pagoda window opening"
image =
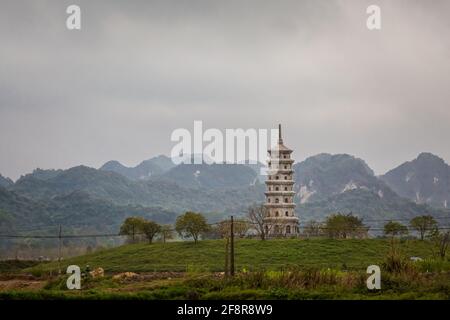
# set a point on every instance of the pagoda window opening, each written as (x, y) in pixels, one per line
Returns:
(276, 188)
(277, 200)
(288, 229)
(287, 213)
(285, 188)
(277, 214)
(286, 200)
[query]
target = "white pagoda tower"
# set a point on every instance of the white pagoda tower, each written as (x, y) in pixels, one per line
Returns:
(280, 219)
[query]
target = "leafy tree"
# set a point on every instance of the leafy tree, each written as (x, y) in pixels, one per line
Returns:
(256, 214)
(425, 225)
(166, 232)
(132, 226)
(191, 224)
(344, 226)
(393, 228)
(150, 229)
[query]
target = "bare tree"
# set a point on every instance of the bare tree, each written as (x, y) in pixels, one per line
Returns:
(166, 232)
(256, 214)
(441, 241)
(313, 229)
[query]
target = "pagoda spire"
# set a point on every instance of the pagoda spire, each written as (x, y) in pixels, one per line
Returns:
(280, 140)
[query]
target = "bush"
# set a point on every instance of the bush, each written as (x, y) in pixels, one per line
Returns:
(396, 263)
(433, 265)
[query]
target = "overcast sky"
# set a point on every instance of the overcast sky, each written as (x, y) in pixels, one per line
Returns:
(140, 69)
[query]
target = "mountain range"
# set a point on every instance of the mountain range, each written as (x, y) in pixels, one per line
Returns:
(425, 179)
(85, 198)
(329, 183)
(143, 171)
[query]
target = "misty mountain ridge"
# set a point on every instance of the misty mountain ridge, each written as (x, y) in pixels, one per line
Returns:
(325, 184)
(5, 182)
(188, 173)
(211, 176)
(77, 210)
(425, 179)
(323, 175)
(143, 171)
(164, 192)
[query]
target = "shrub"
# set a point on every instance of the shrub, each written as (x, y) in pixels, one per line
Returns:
(396, 263)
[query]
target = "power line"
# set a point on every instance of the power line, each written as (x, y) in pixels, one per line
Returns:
(14, 236)
(105, 235)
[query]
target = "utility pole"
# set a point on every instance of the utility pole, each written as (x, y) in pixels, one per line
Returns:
(227, 256)
(59, 254)
(232, 247)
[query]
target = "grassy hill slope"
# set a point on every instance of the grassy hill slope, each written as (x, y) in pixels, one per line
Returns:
(250, 254)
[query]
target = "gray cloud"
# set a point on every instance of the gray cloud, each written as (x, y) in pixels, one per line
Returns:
(139, 69)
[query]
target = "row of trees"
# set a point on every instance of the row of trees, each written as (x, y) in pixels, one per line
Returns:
(345, 226)
(426, 226)
(337, 226)
(188, 225)
(138, 228)
(193, 225)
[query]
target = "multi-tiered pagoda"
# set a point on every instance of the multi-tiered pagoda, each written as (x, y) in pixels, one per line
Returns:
(280, 219)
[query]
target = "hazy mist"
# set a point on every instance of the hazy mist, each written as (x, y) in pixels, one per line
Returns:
(137, 70)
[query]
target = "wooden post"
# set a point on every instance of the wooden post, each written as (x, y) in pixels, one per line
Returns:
(59, 253)
(232, 247)
(227, 256)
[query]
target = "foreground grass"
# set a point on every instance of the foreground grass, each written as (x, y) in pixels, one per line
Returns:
(296, 284)
(250, 255)
(275, 269)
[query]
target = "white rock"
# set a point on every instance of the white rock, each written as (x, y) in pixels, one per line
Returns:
(349, 186)
(304, 193)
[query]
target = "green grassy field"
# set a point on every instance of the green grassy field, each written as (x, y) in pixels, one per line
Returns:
(275, 269)
(250, 254)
